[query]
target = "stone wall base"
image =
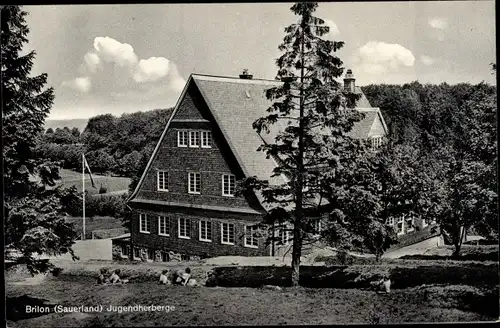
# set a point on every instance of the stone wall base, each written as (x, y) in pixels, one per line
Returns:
(159, 255)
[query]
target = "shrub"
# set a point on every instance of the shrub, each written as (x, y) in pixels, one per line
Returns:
(492, 256)
(355, 276)
(102, 190)
(104, 205)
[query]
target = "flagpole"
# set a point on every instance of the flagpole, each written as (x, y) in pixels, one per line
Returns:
(83, 193)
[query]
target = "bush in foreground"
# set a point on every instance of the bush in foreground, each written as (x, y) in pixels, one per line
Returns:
(356, 276)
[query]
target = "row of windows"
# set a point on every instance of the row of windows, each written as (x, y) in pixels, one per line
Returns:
(194, 138)
(150, 254)
(227, 230)
(194, 183)
(401, 223)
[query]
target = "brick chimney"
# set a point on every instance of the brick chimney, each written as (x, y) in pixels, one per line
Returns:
(245, 75)
(349, 81)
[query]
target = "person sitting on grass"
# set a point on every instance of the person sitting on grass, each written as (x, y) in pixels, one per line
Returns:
(382, 285)
(181, 277)
(163, 278)
(115, 278)
(101, 279)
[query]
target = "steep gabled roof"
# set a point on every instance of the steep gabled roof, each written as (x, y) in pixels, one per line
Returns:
(235, 104)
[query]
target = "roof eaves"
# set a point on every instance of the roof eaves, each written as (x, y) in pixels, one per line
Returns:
(198, 206)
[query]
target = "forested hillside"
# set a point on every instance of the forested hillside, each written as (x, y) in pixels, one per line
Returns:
(440, 161)
(116, 145)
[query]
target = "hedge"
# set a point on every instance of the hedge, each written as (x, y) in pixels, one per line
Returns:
(357, 276)
(492, 256)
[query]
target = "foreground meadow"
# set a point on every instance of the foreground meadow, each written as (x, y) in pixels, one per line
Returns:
(241, 306)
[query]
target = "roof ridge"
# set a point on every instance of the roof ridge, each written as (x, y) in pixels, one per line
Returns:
(233, 77)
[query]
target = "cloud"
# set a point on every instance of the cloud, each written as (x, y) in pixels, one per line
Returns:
(110, 50)
(112, 67)
(92, 61)
(380, 57)
(151, 69)
(440, 23)
(426, 60)
(334, 30)
(81, 84)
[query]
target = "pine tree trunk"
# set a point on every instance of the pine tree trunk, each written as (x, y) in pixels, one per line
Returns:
(299, 214)
(296, 253)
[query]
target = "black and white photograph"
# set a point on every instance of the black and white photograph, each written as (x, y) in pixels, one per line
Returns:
(250, 164)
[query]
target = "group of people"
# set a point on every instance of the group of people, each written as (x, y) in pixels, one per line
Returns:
(175, 277)
(114, 278)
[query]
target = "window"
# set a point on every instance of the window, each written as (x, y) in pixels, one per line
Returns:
(251, 237)
(184, 228)
(194, 180)
(285, 236)
(162, 178)
(205, 230)
(228, 184)
(376, 142)
(125, 252)
(150, 254)
(399, 226)
(182, 138)
(316, 226)
(227, 233)
(163, 226)
(206, 139)
(165, 257)
(390, 221)
(194, 138)
(144, 225)
(410, 223)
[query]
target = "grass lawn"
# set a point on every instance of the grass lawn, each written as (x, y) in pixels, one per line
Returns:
(113, 184)
(232, 306)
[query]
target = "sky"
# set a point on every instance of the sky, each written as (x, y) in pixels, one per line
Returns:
(127, 58)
